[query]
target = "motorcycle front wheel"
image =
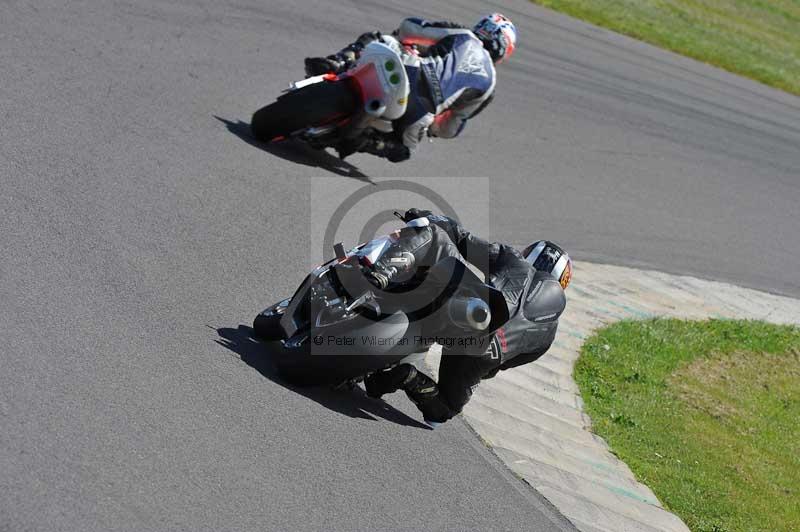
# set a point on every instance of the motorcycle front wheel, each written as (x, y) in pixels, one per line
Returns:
(311, 106)
(268, 327)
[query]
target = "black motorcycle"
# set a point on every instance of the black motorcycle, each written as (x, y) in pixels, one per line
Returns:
(338, 328)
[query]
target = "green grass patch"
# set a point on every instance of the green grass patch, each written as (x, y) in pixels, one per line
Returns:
(706, 413)
(755, 38)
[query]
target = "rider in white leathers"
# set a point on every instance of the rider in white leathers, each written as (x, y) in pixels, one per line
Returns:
(452, 78)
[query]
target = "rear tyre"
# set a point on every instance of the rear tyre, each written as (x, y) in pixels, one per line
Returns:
(314, 105)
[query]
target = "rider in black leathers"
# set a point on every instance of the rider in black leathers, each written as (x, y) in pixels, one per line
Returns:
(532, 283)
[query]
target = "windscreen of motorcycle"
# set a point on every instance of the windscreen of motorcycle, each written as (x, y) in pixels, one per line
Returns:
(372, 251)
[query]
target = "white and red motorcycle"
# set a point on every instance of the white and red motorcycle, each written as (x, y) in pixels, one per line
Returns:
(329, 110)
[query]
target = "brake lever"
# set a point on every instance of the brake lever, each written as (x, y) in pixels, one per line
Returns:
(360, 300)
(367, 300)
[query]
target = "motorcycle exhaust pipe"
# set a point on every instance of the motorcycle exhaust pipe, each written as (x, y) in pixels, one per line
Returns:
(375, 108)
(471, 313)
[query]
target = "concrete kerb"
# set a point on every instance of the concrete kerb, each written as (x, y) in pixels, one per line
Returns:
(533, 416)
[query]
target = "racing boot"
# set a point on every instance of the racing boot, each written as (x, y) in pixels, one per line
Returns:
(419, 388)
(347, 147)
(333, 64)
(391, 380)
(342, 60)
(386, 147)
(424, 392)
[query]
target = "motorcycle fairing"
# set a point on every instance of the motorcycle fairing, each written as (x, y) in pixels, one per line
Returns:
(382, 79)
(352, 348)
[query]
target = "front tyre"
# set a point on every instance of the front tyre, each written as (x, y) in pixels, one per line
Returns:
(311, 106)
(268, 327)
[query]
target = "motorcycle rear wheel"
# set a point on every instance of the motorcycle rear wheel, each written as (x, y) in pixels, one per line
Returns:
(311, 106)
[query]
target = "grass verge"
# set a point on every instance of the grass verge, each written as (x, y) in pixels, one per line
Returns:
(705, 413)
(755, 38)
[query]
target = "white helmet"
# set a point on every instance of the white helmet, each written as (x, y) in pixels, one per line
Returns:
(498, 34)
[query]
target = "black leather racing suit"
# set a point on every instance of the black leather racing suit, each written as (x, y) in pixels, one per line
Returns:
(535, 300)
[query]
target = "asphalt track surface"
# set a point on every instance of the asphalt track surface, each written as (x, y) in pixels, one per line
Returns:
(140, 228)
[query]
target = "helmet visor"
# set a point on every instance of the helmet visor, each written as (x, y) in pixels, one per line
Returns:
(566, 275)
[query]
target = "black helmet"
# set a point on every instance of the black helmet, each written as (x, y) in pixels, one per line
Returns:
(548, 257)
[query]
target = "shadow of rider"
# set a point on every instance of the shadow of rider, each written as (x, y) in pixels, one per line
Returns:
(296, 152)
(353, 403)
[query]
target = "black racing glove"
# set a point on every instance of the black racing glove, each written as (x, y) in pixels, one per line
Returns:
(414, 213)
(379, 279)
(388, 268)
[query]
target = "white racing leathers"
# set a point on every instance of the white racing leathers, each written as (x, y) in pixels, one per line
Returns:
(452, 78)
